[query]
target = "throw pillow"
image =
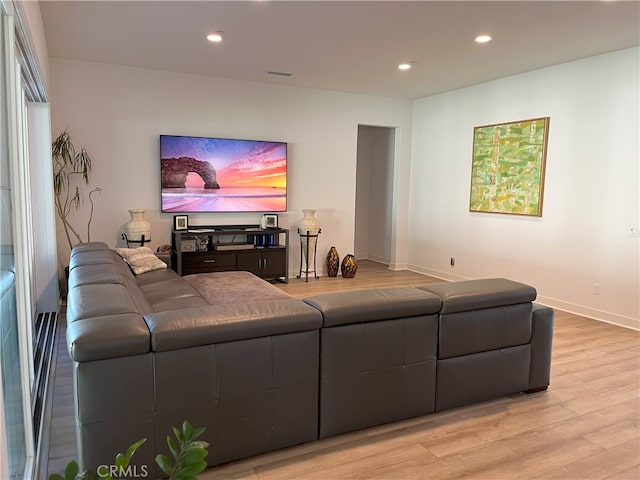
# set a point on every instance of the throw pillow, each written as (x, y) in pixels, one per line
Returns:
(141, 259)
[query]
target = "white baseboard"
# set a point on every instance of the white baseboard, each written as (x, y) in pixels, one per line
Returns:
(600, 315)
(398, 266)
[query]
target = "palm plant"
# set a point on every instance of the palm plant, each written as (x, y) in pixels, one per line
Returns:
(70, 170)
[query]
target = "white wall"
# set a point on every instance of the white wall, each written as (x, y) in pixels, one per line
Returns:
(591, 189)
(591, 193)
(118, 112)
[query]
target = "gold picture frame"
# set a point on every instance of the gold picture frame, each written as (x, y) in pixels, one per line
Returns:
(508, 167)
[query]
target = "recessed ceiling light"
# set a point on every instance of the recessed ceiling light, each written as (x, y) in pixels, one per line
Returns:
(406, 66)
(483, 38)
(215, 37)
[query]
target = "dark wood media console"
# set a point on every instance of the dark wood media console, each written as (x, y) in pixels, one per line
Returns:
(219, 248)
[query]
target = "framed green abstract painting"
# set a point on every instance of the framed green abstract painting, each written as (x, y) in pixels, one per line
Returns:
(507, 171)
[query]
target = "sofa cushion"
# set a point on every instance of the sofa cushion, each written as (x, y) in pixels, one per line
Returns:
(175, 329)
(90, 258)
(138, 298)
(342, 308)
(482, 293)
(180, 303)
(464, 333)
(94, 274)
(88, 301)
(482, 376)
(90, 253)
(156, 276)
(482, 315)
(167, 290)
(233, 287)
(87, 247)
(110, 336)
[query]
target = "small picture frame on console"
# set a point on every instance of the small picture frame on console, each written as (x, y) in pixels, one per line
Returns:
(270, 220)
(181, 222)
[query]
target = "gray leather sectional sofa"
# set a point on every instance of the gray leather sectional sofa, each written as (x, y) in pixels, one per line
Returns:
(151, 351)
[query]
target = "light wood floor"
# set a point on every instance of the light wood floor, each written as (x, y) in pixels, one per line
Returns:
(586, 426)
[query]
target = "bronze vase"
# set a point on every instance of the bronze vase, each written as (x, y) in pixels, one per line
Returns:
(333, 260)
(349, 266)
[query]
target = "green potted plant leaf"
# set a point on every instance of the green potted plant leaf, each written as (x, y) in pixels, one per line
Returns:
(188, 453)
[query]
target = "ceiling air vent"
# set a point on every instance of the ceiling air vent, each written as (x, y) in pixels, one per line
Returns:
(279, 74)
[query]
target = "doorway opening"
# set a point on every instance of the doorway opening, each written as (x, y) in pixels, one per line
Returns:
(374, 193)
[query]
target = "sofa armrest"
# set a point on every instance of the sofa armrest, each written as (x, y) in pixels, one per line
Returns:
(343, 308)
(541, 343)
(190, 327)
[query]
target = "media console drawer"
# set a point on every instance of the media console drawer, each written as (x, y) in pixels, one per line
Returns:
(199, 262)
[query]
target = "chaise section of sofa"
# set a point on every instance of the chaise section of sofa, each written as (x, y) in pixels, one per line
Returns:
(150, 352)
(110, 345)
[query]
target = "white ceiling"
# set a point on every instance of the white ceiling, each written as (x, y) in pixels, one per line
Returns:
(341, 45)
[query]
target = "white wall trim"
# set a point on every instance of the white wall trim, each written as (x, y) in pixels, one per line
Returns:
(398, 266)
(600, 315)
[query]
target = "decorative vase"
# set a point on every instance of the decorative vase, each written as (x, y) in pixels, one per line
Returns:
(333, 260)
(309, 222)
(349, 266)
(137, 230)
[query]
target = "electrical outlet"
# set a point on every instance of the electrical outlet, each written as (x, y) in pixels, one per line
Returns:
(452, 261)
(596, 289)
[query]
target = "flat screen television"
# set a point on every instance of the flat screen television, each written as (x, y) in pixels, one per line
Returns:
(200, 174)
